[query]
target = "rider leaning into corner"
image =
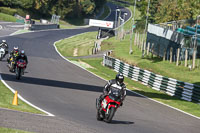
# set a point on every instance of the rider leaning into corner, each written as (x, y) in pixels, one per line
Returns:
(116, 83)
(3, 44)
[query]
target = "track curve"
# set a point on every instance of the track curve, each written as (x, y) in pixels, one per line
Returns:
(69, 92)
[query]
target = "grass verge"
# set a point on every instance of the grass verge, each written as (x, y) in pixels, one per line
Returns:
(80, 45)
(6, 17)
(6, 97)
(155, 64)
(21, 32)
(8, 130)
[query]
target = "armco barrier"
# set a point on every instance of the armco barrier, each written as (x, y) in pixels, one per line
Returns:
(173, 87)
(43, 26)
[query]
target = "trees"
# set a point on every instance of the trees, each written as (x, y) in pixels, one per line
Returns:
(64, 8)
(169, 10)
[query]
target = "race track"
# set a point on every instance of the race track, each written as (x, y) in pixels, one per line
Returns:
(69, 92)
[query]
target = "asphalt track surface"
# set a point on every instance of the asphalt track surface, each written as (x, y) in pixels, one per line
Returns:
(7, 28)
(69, 92)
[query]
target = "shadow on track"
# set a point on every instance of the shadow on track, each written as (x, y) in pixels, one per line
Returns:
(122, 122)
(79, 86)
(54, 83)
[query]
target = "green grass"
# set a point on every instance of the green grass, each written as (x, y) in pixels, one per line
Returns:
(83, 43)
(156, 65)
(108, 74)
(6, 17)
(66, 25)
(21, 31)
(6, 97)
(8, 130)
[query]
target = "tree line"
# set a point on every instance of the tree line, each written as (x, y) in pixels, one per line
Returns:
(64, 8)
(161, 11)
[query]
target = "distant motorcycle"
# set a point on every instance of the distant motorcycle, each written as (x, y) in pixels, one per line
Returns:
(11, 64)
(2, 53)
(20, 67)
(108, 106)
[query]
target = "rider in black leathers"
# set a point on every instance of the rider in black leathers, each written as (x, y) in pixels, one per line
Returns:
(116, 83)
(14, 53)
(22, 56)
(3, 44)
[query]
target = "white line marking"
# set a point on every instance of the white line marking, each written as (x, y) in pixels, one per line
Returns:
(13, 91)
(1, 27)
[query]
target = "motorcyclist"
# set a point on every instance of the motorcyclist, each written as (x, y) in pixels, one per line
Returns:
(22, 56)
(116, 83)
(14, 53)
(3, 44)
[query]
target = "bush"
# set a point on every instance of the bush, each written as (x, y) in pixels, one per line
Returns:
(8, 10)
(21, 12)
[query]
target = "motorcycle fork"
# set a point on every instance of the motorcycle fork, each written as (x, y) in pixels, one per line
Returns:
(107, 111)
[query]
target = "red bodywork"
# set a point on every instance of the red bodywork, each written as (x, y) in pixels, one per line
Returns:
(110, 105)
(21, 64)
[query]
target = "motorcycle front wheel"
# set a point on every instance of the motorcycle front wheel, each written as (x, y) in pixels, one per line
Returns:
(18, 73)
(110, 115)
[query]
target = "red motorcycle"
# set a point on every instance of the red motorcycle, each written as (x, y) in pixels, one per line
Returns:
(109, 105)
(20, 67)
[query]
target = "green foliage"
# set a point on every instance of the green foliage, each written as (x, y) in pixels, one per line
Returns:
(87, 6)
(167, 10)
(8, 10)
(63, 8)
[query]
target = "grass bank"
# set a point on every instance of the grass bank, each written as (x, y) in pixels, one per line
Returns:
(8, 130)
(6, 97)
(155, 64)
(80, 45)
(6, 17)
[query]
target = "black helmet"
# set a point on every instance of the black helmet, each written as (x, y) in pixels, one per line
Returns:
(119, 78)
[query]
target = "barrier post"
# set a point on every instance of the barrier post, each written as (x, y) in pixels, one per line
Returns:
(148, 46)
(171, 52)
(158, 54)
(152, 50)
(164, 56)
(177, 57)
(194, 59)
(135, 41)
(186, 56)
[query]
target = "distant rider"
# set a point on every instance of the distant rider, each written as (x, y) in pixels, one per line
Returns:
(116, 83)
(14, 53)
(3, 44)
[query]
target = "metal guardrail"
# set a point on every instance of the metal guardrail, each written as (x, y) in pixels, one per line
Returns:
(183, 90)
(43, 26)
